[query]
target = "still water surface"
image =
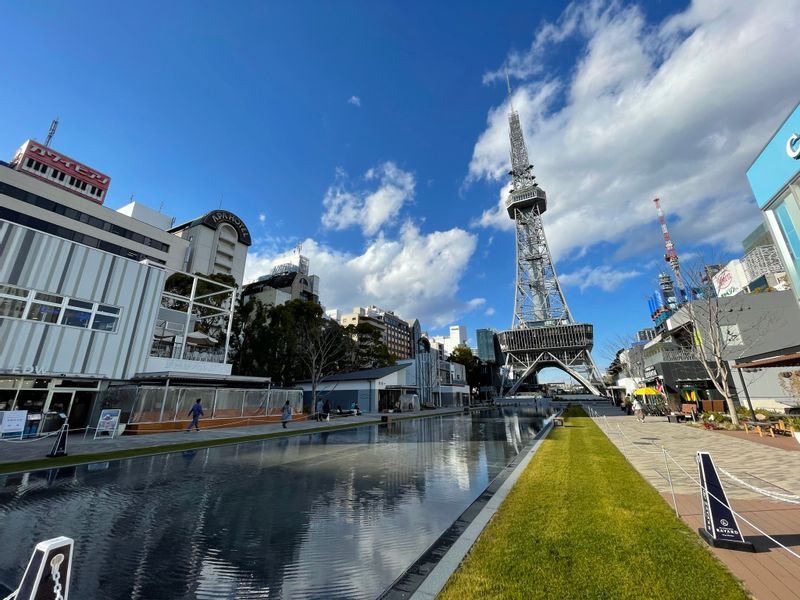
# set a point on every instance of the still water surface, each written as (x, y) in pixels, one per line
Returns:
(325, 515)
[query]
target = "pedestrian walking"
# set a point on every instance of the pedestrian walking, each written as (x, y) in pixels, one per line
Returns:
(318, 409)
(638, 410)
(326, 409)
(286, 414)
(195, 412)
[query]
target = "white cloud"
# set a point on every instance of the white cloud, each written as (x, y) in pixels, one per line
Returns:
(370, 208)
(676, 110)
(355, 101)
(489, 312)
(603, 277)
(416, 275)
(262, 217)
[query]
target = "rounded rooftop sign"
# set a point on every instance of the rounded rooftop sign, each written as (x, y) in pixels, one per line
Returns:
(216, 217)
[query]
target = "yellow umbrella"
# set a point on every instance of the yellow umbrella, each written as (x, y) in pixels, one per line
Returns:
(647, 391)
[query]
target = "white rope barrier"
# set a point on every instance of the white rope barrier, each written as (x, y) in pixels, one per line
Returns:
(743, 518)
(788, 498)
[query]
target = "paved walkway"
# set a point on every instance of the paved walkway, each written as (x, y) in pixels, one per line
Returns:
(16, 451)
(771, 573)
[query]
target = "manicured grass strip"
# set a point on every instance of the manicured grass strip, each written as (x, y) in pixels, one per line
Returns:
(82, 459)
(582, 523)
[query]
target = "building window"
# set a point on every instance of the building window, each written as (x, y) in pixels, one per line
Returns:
(104, 322)
(19, 303)
(76, 318)
(11, 307)
(46, 313)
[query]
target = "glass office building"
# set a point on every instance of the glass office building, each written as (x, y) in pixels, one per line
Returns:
(775, 179)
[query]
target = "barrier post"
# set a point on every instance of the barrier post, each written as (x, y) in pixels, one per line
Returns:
(669, 478)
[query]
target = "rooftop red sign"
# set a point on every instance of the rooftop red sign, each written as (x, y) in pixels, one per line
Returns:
(62, 164)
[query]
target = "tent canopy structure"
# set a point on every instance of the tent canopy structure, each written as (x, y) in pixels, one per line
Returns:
(647, 391)
(198, 338)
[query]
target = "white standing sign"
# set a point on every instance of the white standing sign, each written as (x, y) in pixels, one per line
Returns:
(13, 421)
(108, 422)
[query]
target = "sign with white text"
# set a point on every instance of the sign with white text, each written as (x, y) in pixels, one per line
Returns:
(720, 526)
(108, 422)
(13, 421)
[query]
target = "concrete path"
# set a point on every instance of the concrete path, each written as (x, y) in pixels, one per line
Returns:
(16, 451)
(771, 573)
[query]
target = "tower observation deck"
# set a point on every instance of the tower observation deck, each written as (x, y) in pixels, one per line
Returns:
(543, 333)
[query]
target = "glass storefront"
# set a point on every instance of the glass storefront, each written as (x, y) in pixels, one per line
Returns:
(49, 401)
(786, 213)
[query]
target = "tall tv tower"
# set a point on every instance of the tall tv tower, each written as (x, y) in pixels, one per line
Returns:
(671, 255)
(543, 333)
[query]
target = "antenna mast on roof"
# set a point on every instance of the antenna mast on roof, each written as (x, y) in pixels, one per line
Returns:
(51, 132)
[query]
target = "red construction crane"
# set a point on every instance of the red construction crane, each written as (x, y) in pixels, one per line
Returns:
(671, 255)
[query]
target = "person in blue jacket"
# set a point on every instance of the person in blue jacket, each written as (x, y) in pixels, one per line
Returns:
(195, 413)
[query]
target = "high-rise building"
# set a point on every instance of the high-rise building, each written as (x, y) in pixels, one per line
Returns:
(395, 332)
(457, 336)
(774, 178)
(218, 243)
(486, 345)
(94, 299)
(288, 281)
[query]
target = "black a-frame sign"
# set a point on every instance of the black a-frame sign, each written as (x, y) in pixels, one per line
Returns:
(720, 527)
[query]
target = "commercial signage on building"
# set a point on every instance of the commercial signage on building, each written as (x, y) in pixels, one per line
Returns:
(778, 162)
(71, 168)
(13, 421)
(216, 217)
(731, 280)
(793, 147)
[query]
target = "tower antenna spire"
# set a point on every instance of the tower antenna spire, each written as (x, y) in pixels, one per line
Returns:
(510, 95)
(51, 132)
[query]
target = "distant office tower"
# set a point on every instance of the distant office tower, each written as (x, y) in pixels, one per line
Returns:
(486, 345)
(396, 333)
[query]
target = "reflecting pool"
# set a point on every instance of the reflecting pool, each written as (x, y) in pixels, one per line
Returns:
(325, 515)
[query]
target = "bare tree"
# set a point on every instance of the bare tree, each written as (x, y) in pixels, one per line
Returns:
(321, 349)
(715, 333)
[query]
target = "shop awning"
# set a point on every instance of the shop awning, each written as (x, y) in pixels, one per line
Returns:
(647, 391)
(785, 360)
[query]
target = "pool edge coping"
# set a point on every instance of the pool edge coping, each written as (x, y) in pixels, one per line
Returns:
(435, 581)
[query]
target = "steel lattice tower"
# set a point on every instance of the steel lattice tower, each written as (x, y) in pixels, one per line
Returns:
(543, 333)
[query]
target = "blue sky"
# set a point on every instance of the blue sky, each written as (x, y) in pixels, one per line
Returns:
(376, 133)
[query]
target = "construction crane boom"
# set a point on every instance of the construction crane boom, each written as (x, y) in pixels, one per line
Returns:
(671, 255)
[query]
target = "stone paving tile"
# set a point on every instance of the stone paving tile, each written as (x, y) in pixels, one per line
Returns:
(763, 466)
(769, 574)
(14, 451)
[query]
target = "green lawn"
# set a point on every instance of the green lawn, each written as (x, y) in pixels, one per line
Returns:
(582, 523)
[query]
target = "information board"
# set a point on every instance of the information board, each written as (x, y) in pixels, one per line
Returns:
(108, 422)
(13, 421)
